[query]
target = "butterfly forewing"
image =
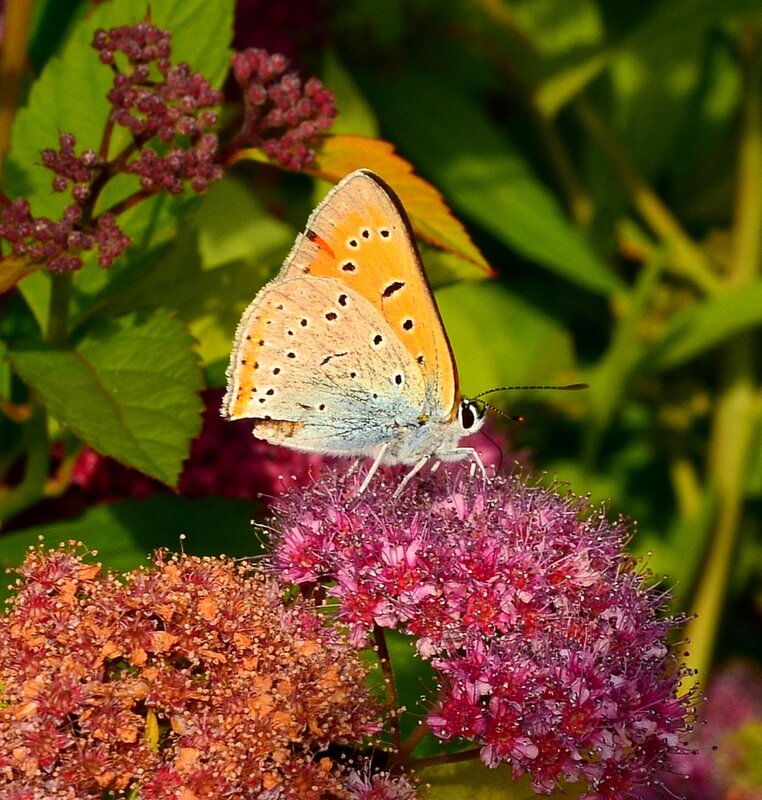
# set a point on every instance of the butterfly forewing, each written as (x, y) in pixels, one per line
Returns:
(360, 235)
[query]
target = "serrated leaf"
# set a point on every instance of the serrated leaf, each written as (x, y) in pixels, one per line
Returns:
(484, 175)
(70, 94)
(432, 220)
(703, 327)
(129, 388)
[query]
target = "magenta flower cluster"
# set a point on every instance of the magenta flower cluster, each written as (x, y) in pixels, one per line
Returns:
(551, 653)
(725, 758)
(155, 101)
(280, 115)
(169, 111)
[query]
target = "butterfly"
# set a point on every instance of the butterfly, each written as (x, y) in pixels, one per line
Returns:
(344, 352)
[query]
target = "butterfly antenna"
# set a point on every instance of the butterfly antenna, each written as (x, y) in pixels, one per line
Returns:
(569, 387)
(499, 411)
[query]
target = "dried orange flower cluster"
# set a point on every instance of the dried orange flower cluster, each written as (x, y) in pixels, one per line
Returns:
(189, 679)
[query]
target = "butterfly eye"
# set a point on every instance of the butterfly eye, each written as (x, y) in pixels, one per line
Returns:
(470, 414)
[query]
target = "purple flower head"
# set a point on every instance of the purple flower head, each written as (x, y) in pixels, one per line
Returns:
(551, 652)
(161, 102)
(58, 244)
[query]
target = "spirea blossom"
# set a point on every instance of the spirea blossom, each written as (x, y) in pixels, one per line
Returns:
(190, 679)
(550, 650)
(158, 101)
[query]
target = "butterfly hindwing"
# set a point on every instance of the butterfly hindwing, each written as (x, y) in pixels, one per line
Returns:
(361, 235)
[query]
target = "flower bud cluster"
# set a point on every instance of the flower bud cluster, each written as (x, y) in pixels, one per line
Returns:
(281, 115)
(59, 244)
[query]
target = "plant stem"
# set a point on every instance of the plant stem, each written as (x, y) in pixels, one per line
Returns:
(740, 402)
(391, 686)
(616, 368)
(445, 758)
(58, 313)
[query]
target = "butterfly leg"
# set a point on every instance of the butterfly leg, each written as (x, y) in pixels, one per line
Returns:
(414, 471)
(373, 468)
(474, 457)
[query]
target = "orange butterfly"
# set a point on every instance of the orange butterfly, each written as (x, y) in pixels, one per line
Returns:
(344, 352)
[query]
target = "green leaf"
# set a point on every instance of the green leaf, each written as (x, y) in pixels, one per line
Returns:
(70, 94)
(355, 113)
(500, 339)
(611, 375)
(125, 533)
(705, 326)
(484, 175)
(556, 28)
(129, 388)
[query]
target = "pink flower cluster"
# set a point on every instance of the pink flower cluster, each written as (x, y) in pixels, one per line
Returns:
(190, 679)
(280, 115)
(71, 168)
(550, 650)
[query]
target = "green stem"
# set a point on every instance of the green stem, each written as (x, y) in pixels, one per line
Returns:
(58, 314)
(444, 758)
(384, 658)
(738, 408)
(32, 487)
